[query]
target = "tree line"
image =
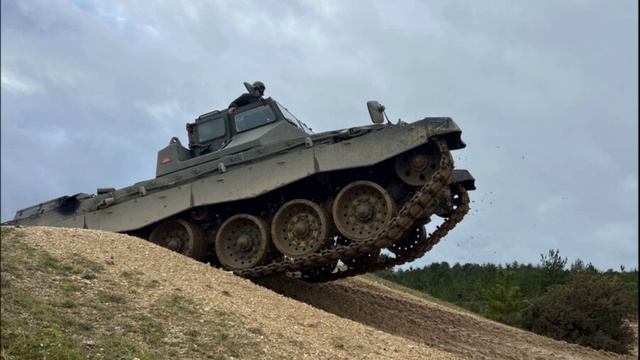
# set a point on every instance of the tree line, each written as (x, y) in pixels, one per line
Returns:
(576, 303)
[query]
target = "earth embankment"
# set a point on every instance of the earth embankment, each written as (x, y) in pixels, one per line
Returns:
(72, 293)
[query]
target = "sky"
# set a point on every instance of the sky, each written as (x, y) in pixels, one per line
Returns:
(546, 94)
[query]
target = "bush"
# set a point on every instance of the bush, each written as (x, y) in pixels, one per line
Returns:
(589, 310)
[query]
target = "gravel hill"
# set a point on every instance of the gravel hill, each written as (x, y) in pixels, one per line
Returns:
(72, 293)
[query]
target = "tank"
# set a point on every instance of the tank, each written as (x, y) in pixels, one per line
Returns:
(258, 193)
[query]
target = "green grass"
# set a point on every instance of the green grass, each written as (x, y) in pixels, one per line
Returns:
(48, 263)
(213, 335)
(133, 276)
(42, 335)
(109, 297)
(83, 264)
(13, 264)
(68, 287)
(35, 327)
(178, 304)
(69, 308)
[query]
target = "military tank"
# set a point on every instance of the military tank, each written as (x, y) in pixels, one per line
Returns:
(258, 193)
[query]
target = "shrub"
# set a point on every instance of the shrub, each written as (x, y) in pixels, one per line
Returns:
(589, 310)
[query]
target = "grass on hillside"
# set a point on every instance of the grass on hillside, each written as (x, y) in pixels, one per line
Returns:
(52, 308)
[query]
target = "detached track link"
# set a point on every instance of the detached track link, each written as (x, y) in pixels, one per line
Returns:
(399, 227)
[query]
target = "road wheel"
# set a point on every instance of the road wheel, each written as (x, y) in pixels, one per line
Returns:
(300, 227)
(180, 236)
(362, 209)
(242, 242)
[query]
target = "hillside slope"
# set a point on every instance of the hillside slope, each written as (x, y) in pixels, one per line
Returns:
(438, 326)
(71, 293)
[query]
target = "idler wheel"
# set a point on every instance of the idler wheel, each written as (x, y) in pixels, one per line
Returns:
(180, 236)
(242, 242)
(300, 227)
(417, 167)
(362, 209)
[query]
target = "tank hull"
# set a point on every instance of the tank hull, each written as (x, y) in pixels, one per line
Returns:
(244, 176)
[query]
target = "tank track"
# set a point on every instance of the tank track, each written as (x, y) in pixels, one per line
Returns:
(406, 228)
(417, 244)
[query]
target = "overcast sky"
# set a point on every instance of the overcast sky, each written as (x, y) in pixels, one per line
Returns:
(546, 93)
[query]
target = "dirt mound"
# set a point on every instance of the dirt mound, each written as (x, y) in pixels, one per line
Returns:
(71, 293)
(157, 302)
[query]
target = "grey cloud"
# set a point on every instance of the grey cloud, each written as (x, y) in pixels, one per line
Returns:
(545, 92)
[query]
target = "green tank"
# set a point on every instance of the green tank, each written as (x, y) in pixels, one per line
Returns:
(258, 193)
